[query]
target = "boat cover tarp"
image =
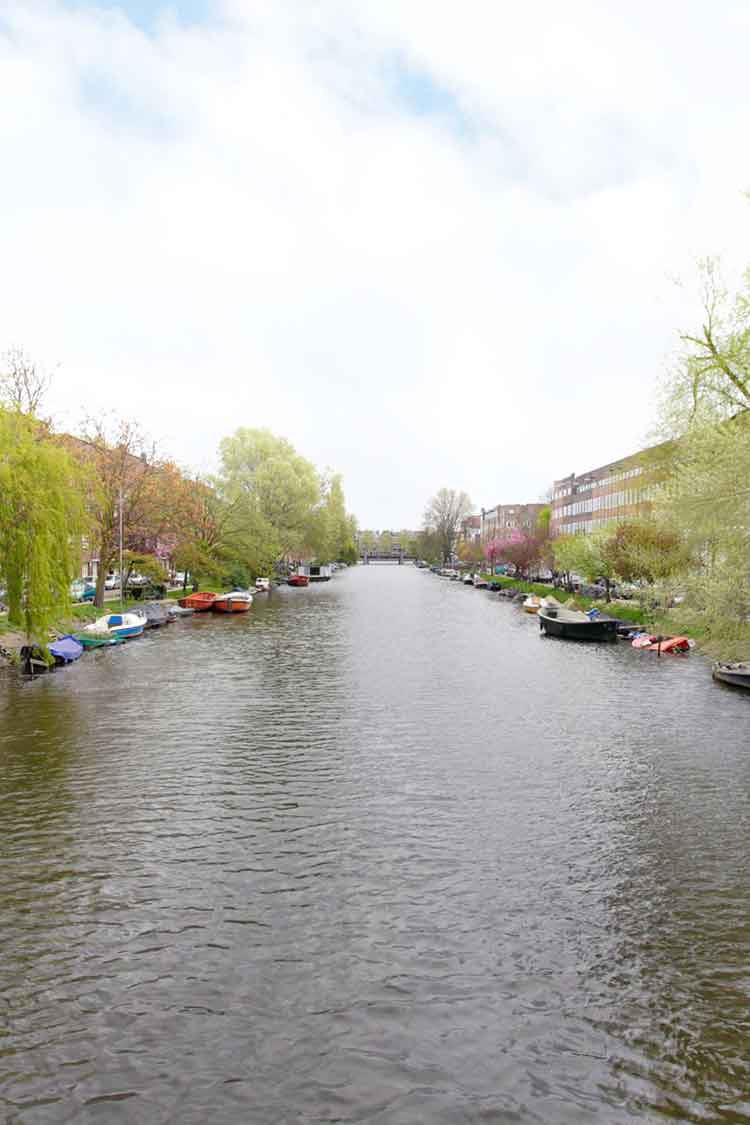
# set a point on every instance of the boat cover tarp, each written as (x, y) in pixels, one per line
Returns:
(66, 648)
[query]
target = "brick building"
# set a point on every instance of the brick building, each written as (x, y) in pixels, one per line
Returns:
(503, 518)
(471, 530)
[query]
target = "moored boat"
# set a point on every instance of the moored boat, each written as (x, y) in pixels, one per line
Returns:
(298, 580)
(559, 621)
(122, 625)
(532, 604)
(198, 602)
(652, 643)
(468, 580)
(479, 582)
(262, 585)
(155, 614)
(734, 673)
(237, 601)
(180, 611)
(91, 640)
(66, 649)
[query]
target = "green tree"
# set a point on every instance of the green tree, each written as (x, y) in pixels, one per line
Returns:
(706, 407)
(587, 555)
(646, 550)
(278, 488)
(710, 379)
(42, 520)
(708, 498)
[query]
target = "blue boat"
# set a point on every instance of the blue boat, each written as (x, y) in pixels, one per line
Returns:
(65, 649)
(122, 625)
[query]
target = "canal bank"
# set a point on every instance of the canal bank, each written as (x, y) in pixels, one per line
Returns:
(375, 851)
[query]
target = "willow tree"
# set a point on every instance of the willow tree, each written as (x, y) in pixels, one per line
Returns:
(708, 498)
(42, 520)
(706, 407)
(278, 490)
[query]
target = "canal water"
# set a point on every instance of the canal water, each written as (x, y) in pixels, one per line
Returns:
(377, 852)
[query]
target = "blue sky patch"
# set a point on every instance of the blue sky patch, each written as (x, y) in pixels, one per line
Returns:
(103, 98)
(420, 94)
(147, 13)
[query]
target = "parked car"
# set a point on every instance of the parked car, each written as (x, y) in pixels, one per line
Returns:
(82, 590)
(112, 582)
(138, 580)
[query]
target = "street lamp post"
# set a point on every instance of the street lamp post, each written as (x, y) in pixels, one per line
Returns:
(122, 603)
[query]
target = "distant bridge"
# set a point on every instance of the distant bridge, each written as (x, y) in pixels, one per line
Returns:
(399, 557)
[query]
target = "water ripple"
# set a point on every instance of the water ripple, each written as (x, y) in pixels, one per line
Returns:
(377, 852)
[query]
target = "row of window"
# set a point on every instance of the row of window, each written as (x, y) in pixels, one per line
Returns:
(596, 482)
(492, 525)
(597, 503)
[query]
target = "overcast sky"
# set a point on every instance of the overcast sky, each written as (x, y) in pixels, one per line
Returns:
(431, 243)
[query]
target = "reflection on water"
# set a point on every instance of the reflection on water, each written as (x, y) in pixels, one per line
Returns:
(377, 852)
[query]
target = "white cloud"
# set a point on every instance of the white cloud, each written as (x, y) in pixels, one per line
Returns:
(430, 244)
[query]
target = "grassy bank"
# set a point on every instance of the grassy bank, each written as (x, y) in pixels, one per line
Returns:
(667, 622)
(77, 618)
(682, 620)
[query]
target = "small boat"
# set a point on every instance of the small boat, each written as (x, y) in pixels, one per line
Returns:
(155, 614)
(468, 580)
(180, 611)
(123, 625)
(549, 602)
(321, 573)
(91, 640)
(262, 585)
(559, 621)
(66, 649)
(654, 643)
(200, 602)
(238, 601)
(735, 673)
(479, 582)
(532, 604)
(298, 580)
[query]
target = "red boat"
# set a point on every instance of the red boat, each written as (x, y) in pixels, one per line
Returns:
(198, 602)
(661, 644)
(299, 580)
(239, 601)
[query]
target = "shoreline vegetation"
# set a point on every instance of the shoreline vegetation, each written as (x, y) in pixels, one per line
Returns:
(663, 621)
(675, 537)
(105, 499)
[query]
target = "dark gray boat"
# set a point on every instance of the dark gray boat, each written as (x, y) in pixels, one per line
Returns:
(736, 674)
(156, 615)
(558, 621)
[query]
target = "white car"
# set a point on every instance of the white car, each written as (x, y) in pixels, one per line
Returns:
(112, 582)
